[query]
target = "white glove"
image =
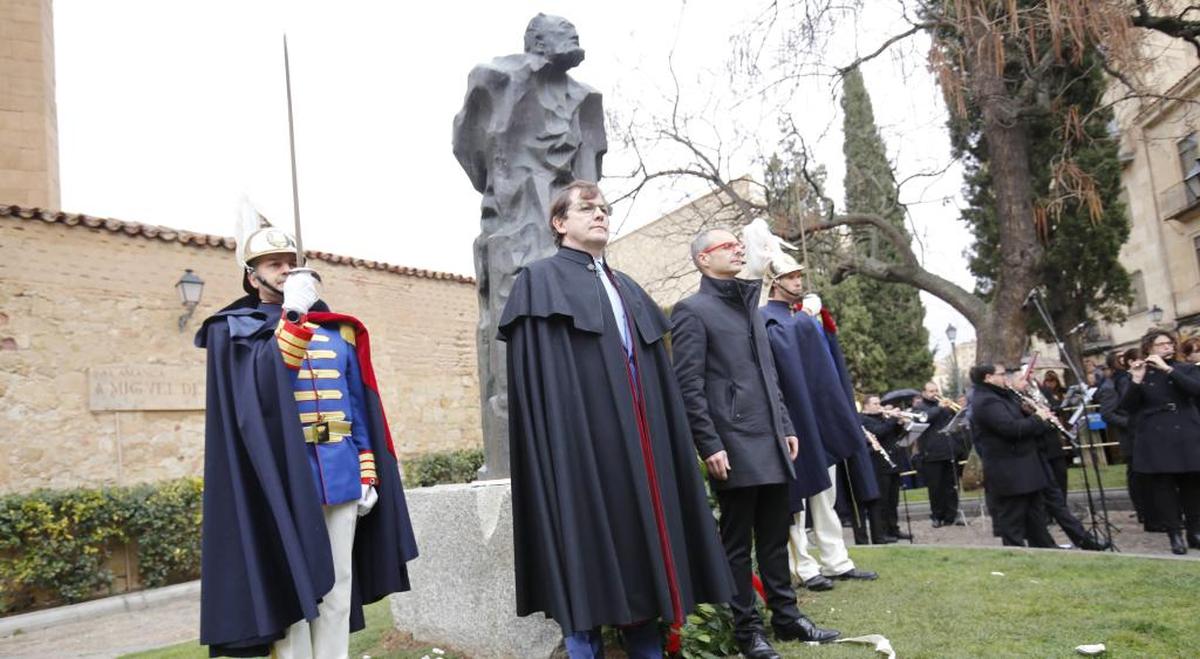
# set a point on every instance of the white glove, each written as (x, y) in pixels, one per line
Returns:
(811, 304)
(367, 501)
(300, 291)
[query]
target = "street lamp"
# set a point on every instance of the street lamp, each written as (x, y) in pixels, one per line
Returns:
(1156, 314)
(190, 289)
(951, 334)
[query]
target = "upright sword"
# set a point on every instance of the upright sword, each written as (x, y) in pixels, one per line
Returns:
(287, 76)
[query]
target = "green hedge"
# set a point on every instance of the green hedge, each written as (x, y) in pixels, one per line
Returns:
(54, 543)
(438, 468)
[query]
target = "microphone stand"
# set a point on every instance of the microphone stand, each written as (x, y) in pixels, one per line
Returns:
(1085, 398)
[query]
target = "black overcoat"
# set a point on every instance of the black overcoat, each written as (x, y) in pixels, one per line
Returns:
(725, 370)
(1108, 397)
(611, 524)
(1164, 417)
(265, 559)
(933, 444)
(1008, 442)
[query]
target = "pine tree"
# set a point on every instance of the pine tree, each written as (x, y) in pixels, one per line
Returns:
(889, 337)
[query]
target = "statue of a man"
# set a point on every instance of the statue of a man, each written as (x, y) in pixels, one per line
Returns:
(525, 131)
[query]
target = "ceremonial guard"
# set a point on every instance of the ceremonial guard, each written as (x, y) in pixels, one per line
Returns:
(304, 512)
(817, 393)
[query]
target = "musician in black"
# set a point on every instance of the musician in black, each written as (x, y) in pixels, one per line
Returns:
(1014, 473)
(1162, 399)
(888, 429)
(938, 463)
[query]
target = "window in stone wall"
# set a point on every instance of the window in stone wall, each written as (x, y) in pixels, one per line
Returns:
(1138, 284)
(1189, 151)
(1196, 248)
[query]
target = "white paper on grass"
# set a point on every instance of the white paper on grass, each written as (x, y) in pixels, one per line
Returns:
(882, 645)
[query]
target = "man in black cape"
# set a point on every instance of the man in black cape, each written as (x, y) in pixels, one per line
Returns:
(611, 525)
(814, 383)
(270, 568)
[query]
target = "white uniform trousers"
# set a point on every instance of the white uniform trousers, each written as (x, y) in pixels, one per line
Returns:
(328, 637)
(827, 536)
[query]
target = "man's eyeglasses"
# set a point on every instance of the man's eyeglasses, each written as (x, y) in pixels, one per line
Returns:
(730, 245)
(588, 209)
(1159, 344)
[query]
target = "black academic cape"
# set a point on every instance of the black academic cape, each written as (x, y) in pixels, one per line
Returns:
(265, 559)
(812, 360)
(610, 520)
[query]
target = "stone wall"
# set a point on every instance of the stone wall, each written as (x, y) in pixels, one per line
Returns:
(75, 298)
(658, 256)
(28, 118)
(1164, 223)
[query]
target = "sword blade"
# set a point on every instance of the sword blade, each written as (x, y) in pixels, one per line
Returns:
(287, 77)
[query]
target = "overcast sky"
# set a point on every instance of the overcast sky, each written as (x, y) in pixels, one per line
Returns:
(169, 111)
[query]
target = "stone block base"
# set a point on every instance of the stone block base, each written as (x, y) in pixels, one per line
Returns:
(463, 587)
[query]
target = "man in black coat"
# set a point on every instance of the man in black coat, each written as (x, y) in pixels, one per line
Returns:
(1108, 397)
(888, 430)
(741, 428)
(1013, 471)
(938, 463)
(611, 525)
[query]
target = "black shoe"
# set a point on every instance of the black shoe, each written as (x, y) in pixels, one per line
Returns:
(1193, 539)
(885, 540)
(1090, 543)
(804, 630)
(901, 535)
(1177, 545)
(855, 573)
(937, 523)
(819, 582)
(757, 647)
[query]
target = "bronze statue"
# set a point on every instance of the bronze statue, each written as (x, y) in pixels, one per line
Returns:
(525, 131)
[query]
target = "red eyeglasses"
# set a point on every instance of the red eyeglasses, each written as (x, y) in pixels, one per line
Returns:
(730, 245)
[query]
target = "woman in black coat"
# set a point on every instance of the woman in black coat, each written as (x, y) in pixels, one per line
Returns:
(1162, 398)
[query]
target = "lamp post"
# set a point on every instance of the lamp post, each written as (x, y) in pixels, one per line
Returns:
(951, 334)
(1156, 314)
(190, 289)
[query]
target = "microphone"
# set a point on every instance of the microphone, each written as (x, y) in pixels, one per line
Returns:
(1029, 297)
(1079, 327)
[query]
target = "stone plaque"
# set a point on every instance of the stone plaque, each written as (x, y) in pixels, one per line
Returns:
(146, 387)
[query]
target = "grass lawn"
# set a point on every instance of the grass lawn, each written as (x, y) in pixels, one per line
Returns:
(379, 640)
(947, 603)
(934, 602)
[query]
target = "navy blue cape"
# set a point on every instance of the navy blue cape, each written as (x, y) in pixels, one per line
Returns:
(816, 385)
(265, 559)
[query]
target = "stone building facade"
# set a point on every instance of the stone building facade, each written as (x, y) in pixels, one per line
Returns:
(28, 118)
(1159, 146)
(99, 386)
(657, 255)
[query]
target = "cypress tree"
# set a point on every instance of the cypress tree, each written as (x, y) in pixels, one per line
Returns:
(881, 324)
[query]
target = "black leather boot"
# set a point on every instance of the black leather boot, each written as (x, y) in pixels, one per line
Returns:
(1193, 539)
(1177, 545)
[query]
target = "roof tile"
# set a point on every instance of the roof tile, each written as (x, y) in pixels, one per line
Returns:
(167, 234)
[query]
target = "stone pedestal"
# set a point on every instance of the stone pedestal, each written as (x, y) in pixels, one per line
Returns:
(463, 585)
